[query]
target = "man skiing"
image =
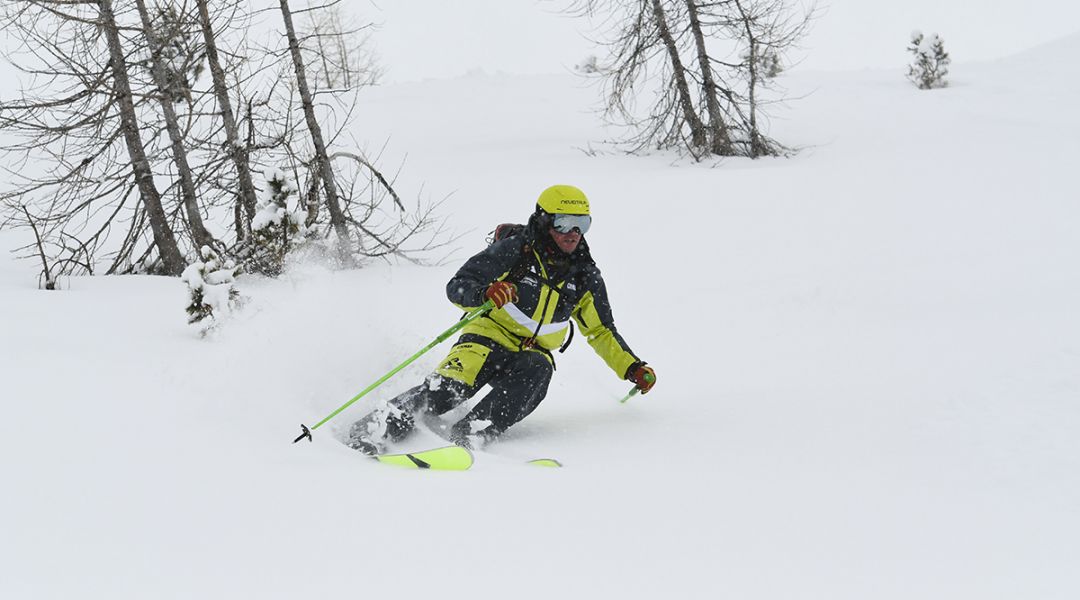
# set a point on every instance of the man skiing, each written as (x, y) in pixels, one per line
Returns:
(538, 277)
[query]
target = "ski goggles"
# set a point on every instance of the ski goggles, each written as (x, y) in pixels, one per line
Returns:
(567, 223)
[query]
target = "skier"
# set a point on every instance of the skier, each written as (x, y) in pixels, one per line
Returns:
(538, 276)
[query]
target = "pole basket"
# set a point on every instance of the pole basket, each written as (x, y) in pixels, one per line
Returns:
(306, 433)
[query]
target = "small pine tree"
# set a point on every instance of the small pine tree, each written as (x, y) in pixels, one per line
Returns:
(931, 61)
(768, 63)
(211, 286)
(275, 232)
(771, 66)
(588, 66)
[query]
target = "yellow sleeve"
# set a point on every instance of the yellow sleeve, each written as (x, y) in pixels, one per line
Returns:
(603, 337)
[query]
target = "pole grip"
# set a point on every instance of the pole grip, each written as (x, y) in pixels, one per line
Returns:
(634, 392)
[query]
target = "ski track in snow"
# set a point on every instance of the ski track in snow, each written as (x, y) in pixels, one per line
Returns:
(867, 358)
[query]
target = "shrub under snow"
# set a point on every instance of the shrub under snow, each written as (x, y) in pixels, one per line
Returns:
(211, 285)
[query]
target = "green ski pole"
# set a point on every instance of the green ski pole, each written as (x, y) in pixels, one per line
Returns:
(649, 378)
(469, 318)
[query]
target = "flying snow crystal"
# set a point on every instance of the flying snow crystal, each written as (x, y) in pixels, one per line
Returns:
(479, 425)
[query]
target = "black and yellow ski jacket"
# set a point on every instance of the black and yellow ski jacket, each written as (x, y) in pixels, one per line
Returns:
(552, 288)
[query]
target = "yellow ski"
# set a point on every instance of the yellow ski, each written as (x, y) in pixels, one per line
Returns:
(447, 458)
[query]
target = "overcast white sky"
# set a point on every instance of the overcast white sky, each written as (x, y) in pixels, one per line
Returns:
(529, 36)
(445, 38)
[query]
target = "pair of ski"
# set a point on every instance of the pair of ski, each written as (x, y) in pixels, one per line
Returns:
(446, 458)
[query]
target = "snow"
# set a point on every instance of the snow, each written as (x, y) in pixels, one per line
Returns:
(269, 214)
(867, 357)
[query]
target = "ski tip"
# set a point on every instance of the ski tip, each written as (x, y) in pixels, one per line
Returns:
(544, 462)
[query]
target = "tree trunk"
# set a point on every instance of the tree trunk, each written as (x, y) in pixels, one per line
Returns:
(199, 235)
(697, 127)
(758, 146)
(232, 132)
(326, 172)
(720, 138)
(171, 259)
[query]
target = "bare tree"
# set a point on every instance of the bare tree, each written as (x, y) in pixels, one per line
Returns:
(166, 96)
(672, 46)
(720, 142)
(765, 30)
(72, 121)
(77, 159)
(339, 55)
(323, 166)
(678, 76)
(236, 151)
(171, 258)
(118, 148)
(46, 272)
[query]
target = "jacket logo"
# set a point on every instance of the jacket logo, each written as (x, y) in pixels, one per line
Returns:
(571, 287)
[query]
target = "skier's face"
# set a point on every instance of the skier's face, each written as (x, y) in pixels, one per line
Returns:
(567, 242)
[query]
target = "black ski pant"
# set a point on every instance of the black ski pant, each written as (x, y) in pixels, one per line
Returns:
(519, 381)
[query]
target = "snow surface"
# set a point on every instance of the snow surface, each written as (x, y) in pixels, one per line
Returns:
(868, 361)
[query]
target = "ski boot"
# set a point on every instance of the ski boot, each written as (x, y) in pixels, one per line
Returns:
(371, 434)
(472, 434)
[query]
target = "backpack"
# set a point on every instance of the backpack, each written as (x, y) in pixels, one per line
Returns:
(503, 231)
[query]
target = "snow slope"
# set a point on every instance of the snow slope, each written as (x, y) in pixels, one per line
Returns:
(867, 357)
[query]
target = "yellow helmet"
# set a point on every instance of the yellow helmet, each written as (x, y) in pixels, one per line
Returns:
(563, 200)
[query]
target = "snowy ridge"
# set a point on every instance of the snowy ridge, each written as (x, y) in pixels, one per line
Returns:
(867, 358)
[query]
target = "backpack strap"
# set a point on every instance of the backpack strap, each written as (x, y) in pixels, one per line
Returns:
(521, 267)
(569, 339)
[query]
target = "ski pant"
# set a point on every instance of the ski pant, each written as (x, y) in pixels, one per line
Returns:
(519, 381)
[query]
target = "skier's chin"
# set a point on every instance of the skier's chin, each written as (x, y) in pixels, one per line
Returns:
(566, 242)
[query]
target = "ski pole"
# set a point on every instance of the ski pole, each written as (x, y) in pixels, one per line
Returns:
(469, 318)
(648, 378)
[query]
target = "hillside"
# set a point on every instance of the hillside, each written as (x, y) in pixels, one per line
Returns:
(868, 367)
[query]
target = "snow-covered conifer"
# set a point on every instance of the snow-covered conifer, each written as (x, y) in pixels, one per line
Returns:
(588, 65)
(770, 64)
(275, 231)
(931, 61)
(211, 283)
